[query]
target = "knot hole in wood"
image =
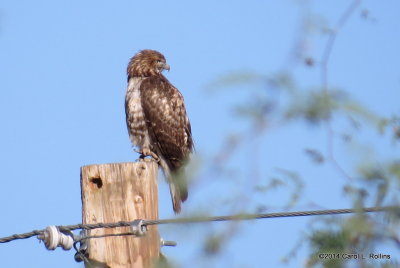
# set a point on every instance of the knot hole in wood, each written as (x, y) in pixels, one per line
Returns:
(141, 168)
(97, 181)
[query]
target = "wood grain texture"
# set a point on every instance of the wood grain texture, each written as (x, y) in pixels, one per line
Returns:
(121, 192)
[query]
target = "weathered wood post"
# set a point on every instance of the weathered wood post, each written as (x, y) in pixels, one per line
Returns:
(121, 192)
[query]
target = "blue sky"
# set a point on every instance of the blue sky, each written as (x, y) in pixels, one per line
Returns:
(62, 69)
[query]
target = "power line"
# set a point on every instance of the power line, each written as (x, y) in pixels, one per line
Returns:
(200, 219)
(20, 236)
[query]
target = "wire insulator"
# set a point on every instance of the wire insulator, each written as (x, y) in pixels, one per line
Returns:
(53, 238)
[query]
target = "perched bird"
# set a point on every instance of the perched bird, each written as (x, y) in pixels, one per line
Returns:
(157, 121)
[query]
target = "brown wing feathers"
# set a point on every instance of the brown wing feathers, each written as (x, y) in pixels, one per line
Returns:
(166, 120)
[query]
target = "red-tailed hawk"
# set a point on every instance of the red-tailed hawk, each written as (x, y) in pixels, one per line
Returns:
(156, 118)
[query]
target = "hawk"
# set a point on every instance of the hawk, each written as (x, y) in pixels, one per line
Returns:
(156, 118)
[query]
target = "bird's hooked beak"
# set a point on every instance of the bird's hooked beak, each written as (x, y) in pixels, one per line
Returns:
(166, 67)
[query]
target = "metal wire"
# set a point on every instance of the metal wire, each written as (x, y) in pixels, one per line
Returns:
(269, 215)
(79, 240)
(20, 236)
(200, 219)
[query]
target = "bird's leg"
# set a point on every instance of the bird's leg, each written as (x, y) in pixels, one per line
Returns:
(147, 152)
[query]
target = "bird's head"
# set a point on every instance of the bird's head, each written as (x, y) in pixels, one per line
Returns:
(147, 63)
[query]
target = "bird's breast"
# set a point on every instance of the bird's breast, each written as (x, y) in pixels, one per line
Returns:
(135, 118)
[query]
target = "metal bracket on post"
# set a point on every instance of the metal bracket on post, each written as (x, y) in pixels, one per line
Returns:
(82, 253)
(167, 243)
(138, 228)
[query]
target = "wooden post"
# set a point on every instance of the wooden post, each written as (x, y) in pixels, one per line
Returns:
(121, 192)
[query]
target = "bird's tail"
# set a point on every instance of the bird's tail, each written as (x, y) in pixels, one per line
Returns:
(178, 195)
(177, 186)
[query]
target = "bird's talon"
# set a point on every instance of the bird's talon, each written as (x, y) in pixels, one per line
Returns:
(141, 158)
(145, 153)
(155, 158)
